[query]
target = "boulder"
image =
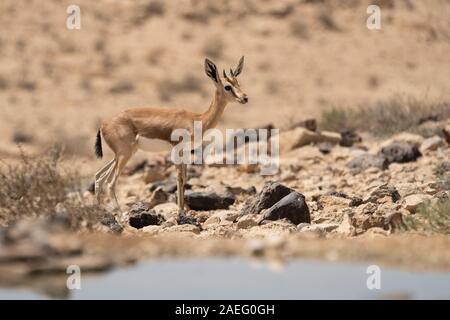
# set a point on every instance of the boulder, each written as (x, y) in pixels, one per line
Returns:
(187, 219)
(400, 152)
(168, 210)
(349, 137)
(248, 221)
(111, 223)
(412, 202)
(381, 194)
(299, 137)
(292, 207)
(204, 200)
(431, 144)
(141, 216)
(410, 138)
(317, 228)
(367, 160)
(188, 228)
(346, 227)
(270, 194)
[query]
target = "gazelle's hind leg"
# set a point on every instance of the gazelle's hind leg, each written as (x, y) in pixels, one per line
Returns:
(122, 160)
(100, 178)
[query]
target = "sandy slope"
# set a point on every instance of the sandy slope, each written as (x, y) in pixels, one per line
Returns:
(301, 57)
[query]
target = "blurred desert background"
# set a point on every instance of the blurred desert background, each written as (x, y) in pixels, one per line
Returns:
(302, 57)
(364, 119)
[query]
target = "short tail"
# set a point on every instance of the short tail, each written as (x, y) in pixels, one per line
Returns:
(98, 145)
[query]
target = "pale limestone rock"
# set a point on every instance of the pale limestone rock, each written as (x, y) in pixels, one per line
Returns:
(329, 136)
(189, 228)
(247, 221)
(321, 228)
(412, 202)
(167, 210)
(431, 144)
(299, 137)
(211, 221)
(406, 189)
(376, 232)
(151, 229)
(346, 227)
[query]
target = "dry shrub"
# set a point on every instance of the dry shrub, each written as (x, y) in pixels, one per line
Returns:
(431, 218)
(41, 187)
(385, 117)
(35, 185)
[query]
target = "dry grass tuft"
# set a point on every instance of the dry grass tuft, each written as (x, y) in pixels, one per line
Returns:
(387, 117)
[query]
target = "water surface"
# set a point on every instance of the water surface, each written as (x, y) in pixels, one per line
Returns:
(241, 279)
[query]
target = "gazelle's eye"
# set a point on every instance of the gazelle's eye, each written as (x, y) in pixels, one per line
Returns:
(228, 88)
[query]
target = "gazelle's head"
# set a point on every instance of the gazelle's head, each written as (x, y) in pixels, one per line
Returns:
(228, 85)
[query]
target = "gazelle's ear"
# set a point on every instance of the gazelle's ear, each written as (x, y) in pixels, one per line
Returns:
(211, 70)
(239, 67)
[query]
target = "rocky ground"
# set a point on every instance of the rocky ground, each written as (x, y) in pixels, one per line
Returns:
(354, 198)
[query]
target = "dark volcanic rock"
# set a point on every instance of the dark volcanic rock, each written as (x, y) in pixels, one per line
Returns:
(169, 185)
(355, 201)
(337, 194)
(349, 137)
(400, 152)
(201, 200)
(91, 188)
(185, 219)
(292, 207)
(141, 216)
(110, 221)
(325, 147)
(270, 194)
(368, 160)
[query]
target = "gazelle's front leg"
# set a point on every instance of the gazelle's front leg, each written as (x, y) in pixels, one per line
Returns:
(181, 179)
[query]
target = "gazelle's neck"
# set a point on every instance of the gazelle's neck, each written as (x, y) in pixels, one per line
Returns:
(211, 116)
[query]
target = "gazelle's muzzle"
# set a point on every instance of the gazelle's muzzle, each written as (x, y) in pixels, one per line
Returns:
(243, 99)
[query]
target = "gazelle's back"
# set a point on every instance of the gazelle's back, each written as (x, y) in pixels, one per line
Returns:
(155, 123)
